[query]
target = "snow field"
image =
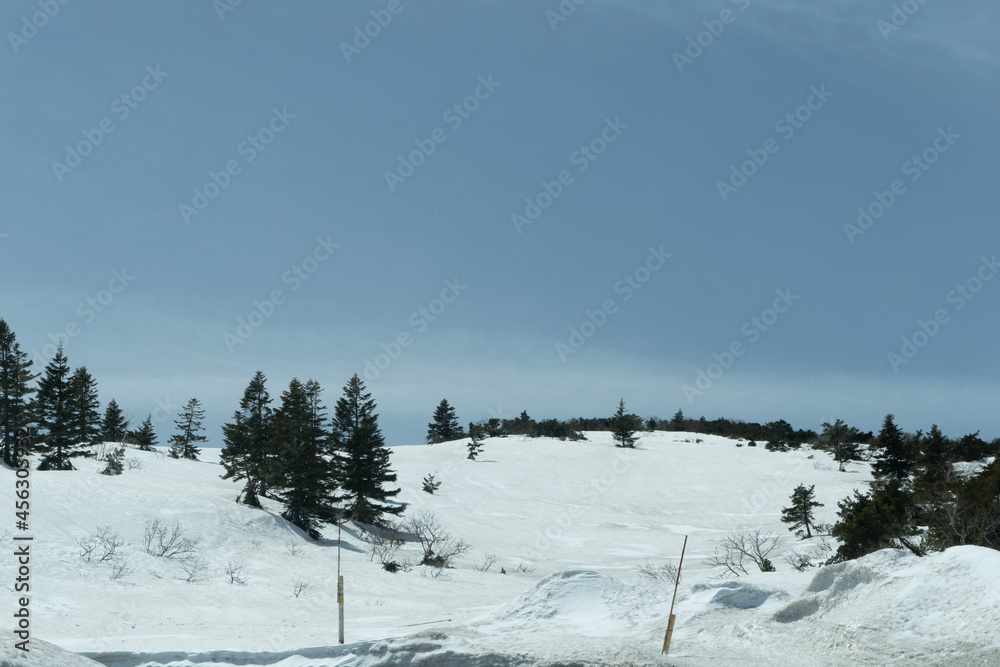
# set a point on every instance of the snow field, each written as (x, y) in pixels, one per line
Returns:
(569, 522)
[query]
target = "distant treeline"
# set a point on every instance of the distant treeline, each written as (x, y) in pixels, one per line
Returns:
(775, 435)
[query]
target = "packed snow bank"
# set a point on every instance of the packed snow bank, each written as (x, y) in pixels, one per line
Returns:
(429, 649)
(738, 594)
(581, 601)
(40, 654)
(568, 619)
(579, 615)
(953, 596)
(888, 608)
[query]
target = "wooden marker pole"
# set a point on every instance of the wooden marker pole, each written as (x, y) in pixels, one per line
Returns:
(340, 586)
(673, 618)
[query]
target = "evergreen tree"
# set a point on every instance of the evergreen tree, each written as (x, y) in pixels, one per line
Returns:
(145, 437)
(114, 428)
(475, 445)
(934, 463)
(366, 469)
(182, 443)
(839, 438)
(114, 461)
(302, 478)
(523, 425)
(623, 426)
(971, 447)
(85, 408)
(15, 390)
(885, 517)
(445, 425)
(246, 452)
(430, 486)
(54, 415)
(325, 440)
(651, 424)
(800, 514)
(677, 421)
(895, 457)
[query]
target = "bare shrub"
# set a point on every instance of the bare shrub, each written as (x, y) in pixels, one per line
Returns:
(488, 561)
(384, 543)
(194, 568)
(234, 572)
(438, 546)
(120, 568)
(799, 561)
(293, 548)
(523, 568)
(732, 561)
(662, 572)
(133, 463)
(163, 542)
(300, 587)
(744, 547)
(102, 545)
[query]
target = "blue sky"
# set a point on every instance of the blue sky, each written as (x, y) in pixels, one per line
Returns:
(610, 119)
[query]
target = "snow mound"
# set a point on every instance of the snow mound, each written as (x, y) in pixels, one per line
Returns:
(40, 654)
(952, 596)
(592, 602)
(428, 649)
(736, 594)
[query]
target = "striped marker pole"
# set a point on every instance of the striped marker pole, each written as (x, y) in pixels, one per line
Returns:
(673, 617)
(340, 586)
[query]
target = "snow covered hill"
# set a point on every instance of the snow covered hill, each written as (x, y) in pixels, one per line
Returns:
(570, 523)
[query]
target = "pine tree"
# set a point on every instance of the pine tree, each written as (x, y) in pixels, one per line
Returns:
(15, 390)
(677, 421)
(302, 479)
(85, 408)
(445, 425)
(475, 445)
(884, 517)
(114, 428)
(114, 461)
(623, 427)
(182, 443)
(54, 415)
(366, 469)
(895, 457)
(145, 437)
(935, 482)
(247, 439)
(800, 515)
(839, 438)
(935, 466)
(430, 486)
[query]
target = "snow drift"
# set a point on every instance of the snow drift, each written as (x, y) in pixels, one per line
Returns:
(41, 654)
(949, 597)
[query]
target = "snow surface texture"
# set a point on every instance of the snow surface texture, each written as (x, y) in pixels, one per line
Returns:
(570, 522)
(42, 654)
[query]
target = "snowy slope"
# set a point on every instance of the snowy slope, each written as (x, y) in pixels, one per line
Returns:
(41, 654)
(569, 521)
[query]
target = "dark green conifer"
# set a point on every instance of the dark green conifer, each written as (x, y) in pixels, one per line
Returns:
(183, 443)
(366, 458)
(445, 425)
